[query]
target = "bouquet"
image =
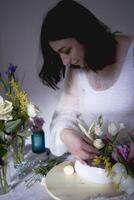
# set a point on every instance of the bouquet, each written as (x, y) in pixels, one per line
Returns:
(112, 156)
(15, 111)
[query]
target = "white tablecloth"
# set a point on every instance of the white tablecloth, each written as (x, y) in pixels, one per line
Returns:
(19, 190)
(36, 192)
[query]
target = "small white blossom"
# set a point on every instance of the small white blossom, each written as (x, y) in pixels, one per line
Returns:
(32, 110)
(127, 185)
(122, 126)
(119, 168)
(118, 172)
(98, 130)
(114, 128)
(98, 143)
(43, 181)
(5, 109)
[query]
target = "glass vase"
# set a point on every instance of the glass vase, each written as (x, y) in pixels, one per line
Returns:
(4, 186)
(38, 141)
(18, 150)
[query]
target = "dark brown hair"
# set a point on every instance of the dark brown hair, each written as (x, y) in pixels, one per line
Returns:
(70, 19)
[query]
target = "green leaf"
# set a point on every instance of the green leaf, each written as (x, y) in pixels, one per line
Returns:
(2, 125)
(4, 85)
(2, 152)
(131, 137)
(2, 136)
(24, 133)
(11, 126)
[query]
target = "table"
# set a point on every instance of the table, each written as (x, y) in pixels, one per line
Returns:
(19, 190)
(36, 192)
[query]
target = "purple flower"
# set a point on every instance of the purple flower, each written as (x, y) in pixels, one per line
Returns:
(0, 75)
(114, 156)
(11, 68)
(36, 124)
(123, 150)
(39, 122)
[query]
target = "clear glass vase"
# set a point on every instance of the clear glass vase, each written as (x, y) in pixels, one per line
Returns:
(4, 186)
(18, 150)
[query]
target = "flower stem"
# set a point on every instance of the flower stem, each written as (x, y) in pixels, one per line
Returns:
(3, 182)
(5, 86)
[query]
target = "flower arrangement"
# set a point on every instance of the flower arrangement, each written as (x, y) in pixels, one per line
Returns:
(36, 123)
(112, 156)
(15, 111)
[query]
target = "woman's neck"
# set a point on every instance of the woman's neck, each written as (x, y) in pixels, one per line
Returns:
(103, 79)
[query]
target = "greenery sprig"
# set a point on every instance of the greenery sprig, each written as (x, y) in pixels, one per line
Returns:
(42, 168)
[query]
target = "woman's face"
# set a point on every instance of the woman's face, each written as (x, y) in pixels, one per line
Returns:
(70, 50)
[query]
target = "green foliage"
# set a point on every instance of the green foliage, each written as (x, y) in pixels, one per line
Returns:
(3, 152)
(25, 133)
(12, 126)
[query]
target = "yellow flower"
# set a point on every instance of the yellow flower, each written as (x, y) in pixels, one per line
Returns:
(96, 161)
(19, 98)
(102, 160)
(107, 164)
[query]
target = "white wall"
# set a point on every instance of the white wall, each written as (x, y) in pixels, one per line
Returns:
(20, 22)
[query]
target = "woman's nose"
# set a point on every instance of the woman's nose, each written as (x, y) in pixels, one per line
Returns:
(65, 60)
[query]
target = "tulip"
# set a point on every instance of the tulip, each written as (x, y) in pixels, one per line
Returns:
(98, 143)
(114, 128)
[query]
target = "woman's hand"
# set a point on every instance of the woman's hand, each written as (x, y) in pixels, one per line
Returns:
(77, 145)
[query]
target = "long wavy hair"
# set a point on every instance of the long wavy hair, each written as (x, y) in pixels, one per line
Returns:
(70, 19)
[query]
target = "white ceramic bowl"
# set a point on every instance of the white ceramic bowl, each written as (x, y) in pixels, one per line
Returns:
(92, 174)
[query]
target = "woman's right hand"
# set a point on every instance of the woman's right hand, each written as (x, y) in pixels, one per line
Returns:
(77, 145)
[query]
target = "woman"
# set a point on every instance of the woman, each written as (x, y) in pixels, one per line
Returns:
(99, 77)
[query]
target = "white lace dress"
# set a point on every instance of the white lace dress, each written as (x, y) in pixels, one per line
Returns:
(80, 102)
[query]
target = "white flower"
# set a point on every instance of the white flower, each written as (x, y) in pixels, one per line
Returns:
(43, 181)
(98, 143)
(32, 110)
(98, 130)
(127, 185)
(87, 133)
(1, 103)
(119, 168)
(116, 178)
(114, 127)
(118, 173)
(5, 109)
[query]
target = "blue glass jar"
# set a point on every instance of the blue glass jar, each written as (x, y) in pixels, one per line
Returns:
(38, 141)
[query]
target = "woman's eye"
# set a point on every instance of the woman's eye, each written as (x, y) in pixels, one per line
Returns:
(66, 51)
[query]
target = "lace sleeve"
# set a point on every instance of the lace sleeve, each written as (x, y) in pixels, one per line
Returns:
(66, 114)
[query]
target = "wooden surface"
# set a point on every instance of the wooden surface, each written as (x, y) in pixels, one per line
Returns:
(64, 187)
